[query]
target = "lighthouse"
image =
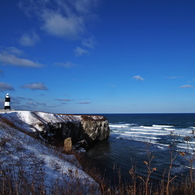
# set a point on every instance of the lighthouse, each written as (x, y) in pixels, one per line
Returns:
(7, 102)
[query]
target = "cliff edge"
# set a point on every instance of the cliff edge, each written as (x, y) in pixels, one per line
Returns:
(30, 167)
(55, 128)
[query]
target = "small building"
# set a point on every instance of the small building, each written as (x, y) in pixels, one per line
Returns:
(7, 102)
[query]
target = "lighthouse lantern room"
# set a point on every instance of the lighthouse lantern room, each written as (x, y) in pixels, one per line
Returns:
(7, 102)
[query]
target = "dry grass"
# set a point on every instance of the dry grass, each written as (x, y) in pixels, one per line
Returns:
(15, 180)
(25, 174)
(145, 185)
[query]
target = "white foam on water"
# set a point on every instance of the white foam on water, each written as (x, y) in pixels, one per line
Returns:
(144, 129)
(151, 127)
(155, 134)
(192, 142)
(146, 133)
(169, 129)
(162, 146)
(140, 138)
(189, 167)
(162, 126)
(149, 131)
(119, 126)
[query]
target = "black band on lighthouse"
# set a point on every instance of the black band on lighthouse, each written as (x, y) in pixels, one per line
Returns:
(7, 102)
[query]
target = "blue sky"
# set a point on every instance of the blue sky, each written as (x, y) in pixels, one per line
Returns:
(98, 56)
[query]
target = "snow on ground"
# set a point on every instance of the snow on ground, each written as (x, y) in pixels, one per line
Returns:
(23, 156)
(30, 121)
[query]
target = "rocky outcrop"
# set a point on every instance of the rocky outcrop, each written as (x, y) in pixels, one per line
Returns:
(83, 130)
(68, 145)
(96, 128)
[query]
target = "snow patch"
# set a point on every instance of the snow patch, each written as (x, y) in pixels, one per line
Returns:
(19, 151)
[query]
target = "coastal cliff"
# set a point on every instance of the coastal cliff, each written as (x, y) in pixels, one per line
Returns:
(39, 167)
(55, 128)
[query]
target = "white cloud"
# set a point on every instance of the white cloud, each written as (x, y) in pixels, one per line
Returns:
(63, 100)
(186, 86)
(174, 77)
(138, 78)
(80, 51)
(31, 103)
(11, 56)
(19, 100)
(61, 18)
(58, 25)
(9, 59)
(85, 102)
(35, 86)
(5, 87)
(13, 50)
(89, 42)
(29, 39)
(66, 64)
(84, 6)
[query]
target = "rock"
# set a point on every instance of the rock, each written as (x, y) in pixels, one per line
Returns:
(96, 128)
(55, 128)
(81, 150)
(68, 145)
(81, 144)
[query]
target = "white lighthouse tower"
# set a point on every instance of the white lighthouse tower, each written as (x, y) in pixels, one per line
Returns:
(7, 102)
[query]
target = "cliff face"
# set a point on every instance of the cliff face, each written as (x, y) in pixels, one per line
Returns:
(54, 128)
(36, 167)
(95, 127)
(82, 128)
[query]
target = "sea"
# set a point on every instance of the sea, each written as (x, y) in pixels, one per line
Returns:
(139, 140)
